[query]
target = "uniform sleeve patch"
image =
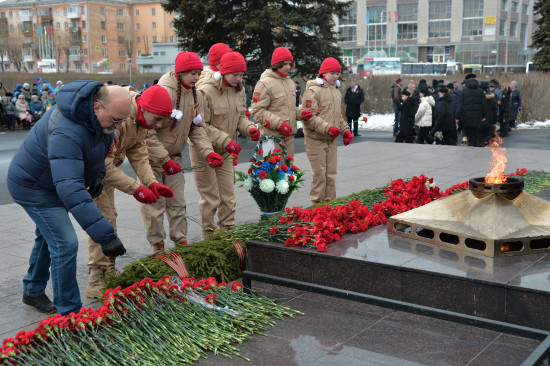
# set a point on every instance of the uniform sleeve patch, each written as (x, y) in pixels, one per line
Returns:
(308, 103)
(255, 97)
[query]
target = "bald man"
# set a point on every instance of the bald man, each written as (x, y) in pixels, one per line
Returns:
(58, 169)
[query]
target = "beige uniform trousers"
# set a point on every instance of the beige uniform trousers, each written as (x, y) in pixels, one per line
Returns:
(106, 204)
(175, 209)
(217, 193)
(323, 158)
(289, 144)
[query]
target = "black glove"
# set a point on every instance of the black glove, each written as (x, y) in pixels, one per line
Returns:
(114, 248)
(96, 188)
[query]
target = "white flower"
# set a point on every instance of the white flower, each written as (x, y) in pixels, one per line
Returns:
(247, 184)
(197, 120)
(282, 186)
(267, 185)
(177, 114)
(286, 178)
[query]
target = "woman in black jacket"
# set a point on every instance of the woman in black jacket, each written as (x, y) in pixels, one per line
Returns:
(444, 118)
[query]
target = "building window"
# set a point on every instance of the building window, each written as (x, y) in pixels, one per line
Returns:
(472, 18)
(376, 27)
(105, 53)
(57, 25)
(84, 38)
(83, 9)
(139, 53)
(101, 10)
(66, 24)
(66, 39)
(153, 11)
(504, 5)
(58, 39)
(11, 14)
(75, 24)
(439, 25)
(85, 52)
(65, 11)
(104, 39)
(171, 24)
(85, 66)
(138, 39)
(56, 11)
(103, 25)
(172, 39)
(137, 12)
(137, 26)
(407, 22)
(74, 51)
(525, 9)
(120, 12)
(154, 39)
(523, 36)
(120, 26)
(83, 24)
(121, 40)
(122, 53)
(347, 26)
(515, 7)
(154, 25)
(513, 29)
(502, 27)
(123, 66)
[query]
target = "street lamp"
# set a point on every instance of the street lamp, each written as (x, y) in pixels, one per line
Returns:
(130, 63)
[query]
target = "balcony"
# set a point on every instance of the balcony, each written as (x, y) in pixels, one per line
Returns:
(27, 31)
(45, 13)
(74, 30)
(77, 58)
(73, 12)
(25, 15)
(28, 58)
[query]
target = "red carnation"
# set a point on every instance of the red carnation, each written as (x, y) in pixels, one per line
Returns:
(272, 160)
(291, 178)
(295, 168)
(260, 151)
(273, 230)
(262, 175)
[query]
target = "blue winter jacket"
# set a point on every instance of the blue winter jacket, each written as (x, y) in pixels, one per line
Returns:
(63, 154)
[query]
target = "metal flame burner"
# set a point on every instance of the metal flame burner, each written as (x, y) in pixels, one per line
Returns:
(509, 189)
(491, 220)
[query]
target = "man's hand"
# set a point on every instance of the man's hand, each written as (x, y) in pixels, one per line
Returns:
(114, 248)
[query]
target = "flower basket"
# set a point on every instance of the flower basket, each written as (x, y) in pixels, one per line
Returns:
(272, 177)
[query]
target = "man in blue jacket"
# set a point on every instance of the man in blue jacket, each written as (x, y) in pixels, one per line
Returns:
(61, 156)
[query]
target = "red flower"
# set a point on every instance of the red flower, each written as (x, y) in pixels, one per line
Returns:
(212, 299)
(284, 167)
(249, 170)
(273, 230)
(295, 168)
(322, 247)
(290, 158)
(235, 286)
(260, 151)
(291, 178)
(262, 175)
(272, 160)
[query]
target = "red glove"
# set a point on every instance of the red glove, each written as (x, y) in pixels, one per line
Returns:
(160, 190)
(145, 195)
(215, 160)
(285, 129)
(171, 167)
(347, 137)
(247, 113)
(333, 132)
(233, 148)
(254, 134)
(306, 115)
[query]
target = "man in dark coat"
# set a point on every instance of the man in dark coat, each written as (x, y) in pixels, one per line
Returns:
(470, 109)
(487, 129)
(516, 104)
(444, 122)
(406, 122)
(62, 155)
(353, 99)
(396, 100)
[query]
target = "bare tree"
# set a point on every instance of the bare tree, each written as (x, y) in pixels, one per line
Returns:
(67, 53)
(2, 56)
(146, 44)
(129, 45)
(59, 52)
(15, 53)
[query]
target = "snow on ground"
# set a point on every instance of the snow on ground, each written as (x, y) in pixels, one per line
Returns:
(384, 122)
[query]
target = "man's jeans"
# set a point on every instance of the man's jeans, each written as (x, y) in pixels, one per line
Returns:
(55, 246)
(397, 113)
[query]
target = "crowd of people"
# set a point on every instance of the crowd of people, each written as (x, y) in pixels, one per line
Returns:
(69, 161)
(438, 113)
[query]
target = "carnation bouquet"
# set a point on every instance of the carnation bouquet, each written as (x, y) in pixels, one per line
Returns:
(272, 177)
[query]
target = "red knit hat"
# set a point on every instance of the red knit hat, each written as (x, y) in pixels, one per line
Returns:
(281, 54)
(216, 52)
(329, 65)
(187, 61)
(156, 99)
(232, 62)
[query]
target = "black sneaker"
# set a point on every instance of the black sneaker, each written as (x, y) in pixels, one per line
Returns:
(41, 303)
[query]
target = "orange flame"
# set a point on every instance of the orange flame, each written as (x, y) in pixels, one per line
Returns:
(499, 162)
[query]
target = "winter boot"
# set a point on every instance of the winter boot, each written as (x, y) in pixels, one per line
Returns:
(158, 248)
(96, 283)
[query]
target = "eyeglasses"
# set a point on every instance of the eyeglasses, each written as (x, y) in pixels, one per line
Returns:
(115, 121)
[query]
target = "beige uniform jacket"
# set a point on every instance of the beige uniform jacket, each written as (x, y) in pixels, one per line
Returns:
(206, 74)
(171, 138)
(224, 114)
(129, 143)
(276, 102)
(327, 99)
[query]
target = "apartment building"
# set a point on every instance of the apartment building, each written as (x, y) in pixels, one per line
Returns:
(492, 33)
(105, 36)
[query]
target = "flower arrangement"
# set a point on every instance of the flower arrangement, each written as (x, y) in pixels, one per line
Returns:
(272, 177)
(148, 323)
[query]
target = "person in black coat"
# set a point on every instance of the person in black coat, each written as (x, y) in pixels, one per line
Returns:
(406, 122)
(516, 104)
(444, 123)
(353, 99)
(504, 110)
(470, 109)
(298, 92)
(487, 129)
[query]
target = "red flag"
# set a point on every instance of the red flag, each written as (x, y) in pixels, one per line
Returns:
(396, 16)
(389, 16)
